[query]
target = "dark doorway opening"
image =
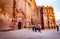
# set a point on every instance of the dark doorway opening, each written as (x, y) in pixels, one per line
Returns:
(19, 25)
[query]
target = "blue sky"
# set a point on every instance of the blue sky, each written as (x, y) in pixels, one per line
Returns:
(54, 3)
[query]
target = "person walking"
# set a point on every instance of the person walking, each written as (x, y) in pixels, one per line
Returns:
(57, 28)
(39, 27)
(34, 27)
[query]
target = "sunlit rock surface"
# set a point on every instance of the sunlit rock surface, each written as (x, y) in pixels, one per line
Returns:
(14, 11)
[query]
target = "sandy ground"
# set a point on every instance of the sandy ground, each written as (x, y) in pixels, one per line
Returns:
(29, 34)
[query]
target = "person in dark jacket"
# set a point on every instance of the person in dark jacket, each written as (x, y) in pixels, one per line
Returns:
(34, 28)
(57, 27)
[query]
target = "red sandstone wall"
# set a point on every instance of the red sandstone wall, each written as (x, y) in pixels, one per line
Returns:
(24, 10)
(6, 11)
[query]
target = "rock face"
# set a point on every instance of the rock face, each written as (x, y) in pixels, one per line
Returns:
(47, 17)
(16, 14)
(14, 11)
(6, 10)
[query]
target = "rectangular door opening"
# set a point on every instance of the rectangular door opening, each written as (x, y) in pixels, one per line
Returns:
(19, 25)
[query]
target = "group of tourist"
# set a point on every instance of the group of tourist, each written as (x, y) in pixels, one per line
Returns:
(36, 27)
